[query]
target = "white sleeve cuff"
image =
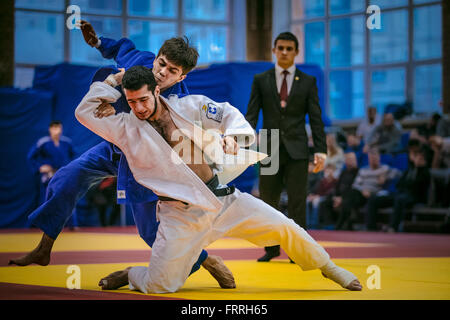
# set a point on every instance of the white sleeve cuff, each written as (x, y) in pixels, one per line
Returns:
(111, 80)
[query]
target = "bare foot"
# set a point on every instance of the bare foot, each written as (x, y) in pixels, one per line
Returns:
(115, 280)
(40, 255)
(355, 285)
(343, 277)
(220, 272)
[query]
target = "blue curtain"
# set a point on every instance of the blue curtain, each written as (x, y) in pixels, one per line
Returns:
(69, 83)
(57, 90)
(24, 118)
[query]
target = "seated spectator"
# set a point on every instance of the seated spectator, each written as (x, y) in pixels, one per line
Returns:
(415, 145)
(386, 137)
(331, 204)
(335, 154)
(441, 149)
(356, 145)
(424, 132)
(443, 126)
(322, 188)
(366, 127)
(369, 181)
(412, 188)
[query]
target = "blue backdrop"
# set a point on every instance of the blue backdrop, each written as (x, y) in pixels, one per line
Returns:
(57, 90)
(24, 117)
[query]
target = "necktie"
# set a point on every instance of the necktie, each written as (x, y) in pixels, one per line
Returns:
(284, 90)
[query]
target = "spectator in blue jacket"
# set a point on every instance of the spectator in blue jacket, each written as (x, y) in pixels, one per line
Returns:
(49, 154)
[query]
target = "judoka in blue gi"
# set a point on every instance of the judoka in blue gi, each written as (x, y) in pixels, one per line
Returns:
(49, 154)
(174, 60)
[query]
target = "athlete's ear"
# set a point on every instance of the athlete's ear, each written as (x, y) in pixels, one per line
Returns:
(157, 91)
(182, 77)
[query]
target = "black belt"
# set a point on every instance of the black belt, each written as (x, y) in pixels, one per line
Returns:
(212, 185)
(222, 192)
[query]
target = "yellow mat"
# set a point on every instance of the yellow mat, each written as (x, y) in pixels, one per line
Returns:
(86, 241)
(401, 278)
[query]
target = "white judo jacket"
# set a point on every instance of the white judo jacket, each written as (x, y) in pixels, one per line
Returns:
(154, 163)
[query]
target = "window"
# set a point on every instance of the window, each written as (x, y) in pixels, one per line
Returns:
(36, 30)
(42, 37)
(213, 10)
(427, 88)
(210, 42)
(364, 66)
(307, 9)
(427, 32)
(99, 6)
(39, 4)
(384, 4)
(154, 8)
(388, 87)
(346, 94)
(390, 43)
(83, 54)
(149, 35)
(349, 6)
(312, 46)
(346, 42)
(423, 1)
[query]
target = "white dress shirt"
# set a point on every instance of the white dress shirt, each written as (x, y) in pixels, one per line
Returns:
(280, 76)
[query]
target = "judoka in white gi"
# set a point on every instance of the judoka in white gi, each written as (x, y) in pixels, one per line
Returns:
(197, 208)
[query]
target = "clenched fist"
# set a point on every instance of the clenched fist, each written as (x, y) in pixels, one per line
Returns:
(88, 33)
(104, 110)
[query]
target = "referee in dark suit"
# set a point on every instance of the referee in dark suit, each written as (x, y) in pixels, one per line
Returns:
(286, 95)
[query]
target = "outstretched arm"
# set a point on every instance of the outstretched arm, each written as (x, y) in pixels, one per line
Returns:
(124, 51)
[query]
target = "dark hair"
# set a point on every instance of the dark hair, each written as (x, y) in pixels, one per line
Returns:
(179, 52)
(55, 123)
(286, 36)
(436, 117)
(413, 143)
(137, 76)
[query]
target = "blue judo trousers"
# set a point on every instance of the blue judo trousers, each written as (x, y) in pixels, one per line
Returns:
(71, 182)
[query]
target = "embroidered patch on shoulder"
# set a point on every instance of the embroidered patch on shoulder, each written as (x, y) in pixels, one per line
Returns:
(121, 194)
(213, 112)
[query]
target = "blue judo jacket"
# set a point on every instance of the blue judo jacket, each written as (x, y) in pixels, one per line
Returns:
(126, 55)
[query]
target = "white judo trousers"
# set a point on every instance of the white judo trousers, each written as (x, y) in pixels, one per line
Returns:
(184, 230)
